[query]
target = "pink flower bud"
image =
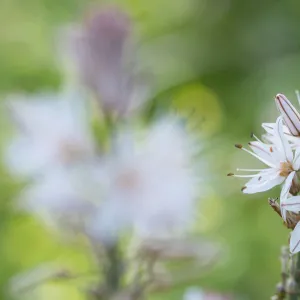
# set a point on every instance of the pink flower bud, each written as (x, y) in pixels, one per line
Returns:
(104, 56)
(289, 113)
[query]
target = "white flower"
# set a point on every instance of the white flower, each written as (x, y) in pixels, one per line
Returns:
(279, 158)
(65, 198)
(194, 293)
(150, 184)
(52, 130)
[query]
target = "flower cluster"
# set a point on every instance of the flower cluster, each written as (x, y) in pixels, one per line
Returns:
(279, 150)
(96, 168)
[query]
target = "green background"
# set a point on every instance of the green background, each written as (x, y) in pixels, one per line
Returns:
(224, 60)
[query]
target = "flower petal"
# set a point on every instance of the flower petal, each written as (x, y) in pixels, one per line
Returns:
(295, 240)
(286, 187)
(281, 142)
(283, 213)
(262, 150)
(296, 162)
(269, 128)
(262, 183)
(291, 204)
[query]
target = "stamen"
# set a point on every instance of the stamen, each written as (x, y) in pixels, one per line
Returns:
(243, 188)
(239, 146)
(243, 176)
(250, 170)
(254, 136)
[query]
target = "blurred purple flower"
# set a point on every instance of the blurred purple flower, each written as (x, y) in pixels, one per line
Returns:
(103, 52)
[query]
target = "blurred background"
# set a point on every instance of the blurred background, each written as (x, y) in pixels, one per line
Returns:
(224, 60)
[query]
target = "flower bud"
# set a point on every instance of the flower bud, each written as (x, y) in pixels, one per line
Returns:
(103, 52)
(289, 113)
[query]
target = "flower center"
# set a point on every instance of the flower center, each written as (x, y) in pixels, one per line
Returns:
(71, 150)
(128, 179)
(285, 168)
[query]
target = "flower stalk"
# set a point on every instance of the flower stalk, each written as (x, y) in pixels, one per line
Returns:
(114, 270)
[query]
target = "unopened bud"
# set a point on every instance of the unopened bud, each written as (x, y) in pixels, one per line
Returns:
(103, 51)
(289, 113)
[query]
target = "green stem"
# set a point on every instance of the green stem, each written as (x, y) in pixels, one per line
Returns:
(114, 269)
(293, 297)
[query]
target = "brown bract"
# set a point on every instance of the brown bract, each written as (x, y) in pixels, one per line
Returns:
(291, 218)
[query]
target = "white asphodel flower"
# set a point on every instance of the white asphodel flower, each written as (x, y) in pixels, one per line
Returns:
(280, 159)
(150, 185)
(291, 119)
(65, 198)
(52, 130)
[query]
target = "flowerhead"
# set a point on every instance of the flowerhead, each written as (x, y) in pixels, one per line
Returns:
(150, 185)
(51, 130)
(280, 159)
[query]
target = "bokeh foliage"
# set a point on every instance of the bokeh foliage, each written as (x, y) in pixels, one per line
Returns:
(223, 61)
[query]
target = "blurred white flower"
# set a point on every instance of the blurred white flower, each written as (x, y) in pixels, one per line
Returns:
(150, 183)
(280, 159)
(52, 130)
(65, 198)
(194, 293)
(104, 54)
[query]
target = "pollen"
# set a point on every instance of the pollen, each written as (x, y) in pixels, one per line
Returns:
(239, 146)
(285, 169)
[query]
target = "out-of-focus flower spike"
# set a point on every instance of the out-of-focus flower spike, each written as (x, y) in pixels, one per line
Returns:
(289, 113)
